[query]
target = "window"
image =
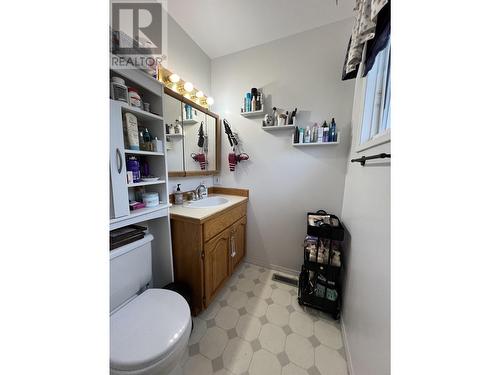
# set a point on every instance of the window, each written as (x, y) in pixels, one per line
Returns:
(376, 123)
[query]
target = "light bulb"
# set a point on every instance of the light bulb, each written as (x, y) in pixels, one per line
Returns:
(199, 94)
(174, 78)
(187, 96)
(210, 100)
(188, 86)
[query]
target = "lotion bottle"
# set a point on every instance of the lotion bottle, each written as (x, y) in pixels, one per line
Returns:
(178, 196)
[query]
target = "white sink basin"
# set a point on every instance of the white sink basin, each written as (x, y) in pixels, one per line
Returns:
(207, 202)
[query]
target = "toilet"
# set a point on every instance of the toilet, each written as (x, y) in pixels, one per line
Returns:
(149, 328)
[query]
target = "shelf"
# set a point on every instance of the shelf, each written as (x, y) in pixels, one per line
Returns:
(140, 152)
(315, 144)
(189, 122)
(272, 128)
(142, 214)
(135, 184)
(174, 135)
(142, 115)
(253, 113)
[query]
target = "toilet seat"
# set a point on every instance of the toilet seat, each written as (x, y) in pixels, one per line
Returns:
(148, 330)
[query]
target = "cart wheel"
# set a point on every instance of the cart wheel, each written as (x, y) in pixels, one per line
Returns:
(336, 315)
(300, 302)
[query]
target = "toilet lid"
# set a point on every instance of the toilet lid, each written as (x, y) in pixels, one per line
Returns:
(147, 328)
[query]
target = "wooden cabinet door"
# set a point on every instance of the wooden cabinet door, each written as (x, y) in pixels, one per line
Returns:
(239, 242)
(216, 260)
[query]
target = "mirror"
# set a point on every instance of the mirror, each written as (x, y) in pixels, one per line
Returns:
(200, 144)
(192, 137)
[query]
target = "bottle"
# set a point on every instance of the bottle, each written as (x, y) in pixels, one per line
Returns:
(296, 135)
(146, 135)
(334, 130)
(178, 196)
(320, 135)
(178, 127)
(307, 136)
(142, 144)
(292, 117)
(275, 117)
(134, 167)
(254, 104)
(325, 132)
(315, 133)
(249, 102)
(301, 135)
(258, 104)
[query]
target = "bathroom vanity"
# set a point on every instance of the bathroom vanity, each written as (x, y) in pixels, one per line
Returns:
(208, 243)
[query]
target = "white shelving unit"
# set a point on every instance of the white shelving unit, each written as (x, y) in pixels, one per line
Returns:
(155, 219)
(151, 91)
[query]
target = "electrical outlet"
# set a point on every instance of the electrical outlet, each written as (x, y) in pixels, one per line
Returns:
(217, 180)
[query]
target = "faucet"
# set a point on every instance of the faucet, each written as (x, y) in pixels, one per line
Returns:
(200, 191)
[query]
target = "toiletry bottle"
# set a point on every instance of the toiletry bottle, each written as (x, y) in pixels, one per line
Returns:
(275, 117)
(147, 139)
(315, 133)
(320, 134)
(249, 102)
(325, 132)
(254, 104)
(307, 136)
(178, 196)
(178, 127)
(258, 104)
(334, 130)
(301, 135)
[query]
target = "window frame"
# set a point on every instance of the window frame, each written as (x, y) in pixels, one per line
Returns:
(383, 113)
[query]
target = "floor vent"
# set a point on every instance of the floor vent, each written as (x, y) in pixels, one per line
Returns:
(285, 279)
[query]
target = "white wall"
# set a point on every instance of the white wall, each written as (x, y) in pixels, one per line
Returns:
(366, 216)
(188, 60)
(285, 182)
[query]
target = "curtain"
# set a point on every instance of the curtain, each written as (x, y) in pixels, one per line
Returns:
(364, 29)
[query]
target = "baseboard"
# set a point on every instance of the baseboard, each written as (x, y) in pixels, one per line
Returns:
(262, 263)
(346, 347)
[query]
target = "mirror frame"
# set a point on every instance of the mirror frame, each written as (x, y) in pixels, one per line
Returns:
(185, 173)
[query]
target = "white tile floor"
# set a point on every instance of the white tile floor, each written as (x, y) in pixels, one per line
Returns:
(255, 326)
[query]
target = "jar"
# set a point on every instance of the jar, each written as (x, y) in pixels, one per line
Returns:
(134, 97)
(119, 90)
(150, 199)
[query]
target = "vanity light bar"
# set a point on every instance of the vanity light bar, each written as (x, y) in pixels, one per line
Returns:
(185, 88)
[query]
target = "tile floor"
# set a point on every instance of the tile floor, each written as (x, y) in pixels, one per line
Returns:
(255, 326)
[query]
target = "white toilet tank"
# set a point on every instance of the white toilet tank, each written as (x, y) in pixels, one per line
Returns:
(129, 270)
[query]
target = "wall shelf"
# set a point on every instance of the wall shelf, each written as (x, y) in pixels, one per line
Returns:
(174, 135)
(189, 122)
(315, 144)
(140, 152)
(253, 113)
(282, 127)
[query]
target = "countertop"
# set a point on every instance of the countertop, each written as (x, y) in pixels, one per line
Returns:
(204, 213)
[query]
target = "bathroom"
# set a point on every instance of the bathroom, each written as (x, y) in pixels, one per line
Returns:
(240, 176)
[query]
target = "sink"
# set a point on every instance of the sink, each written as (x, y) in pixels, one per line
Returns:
(207, 202)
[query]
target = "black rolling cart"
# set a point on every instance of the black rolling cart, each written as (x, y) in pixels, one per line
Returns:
(319, 281)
